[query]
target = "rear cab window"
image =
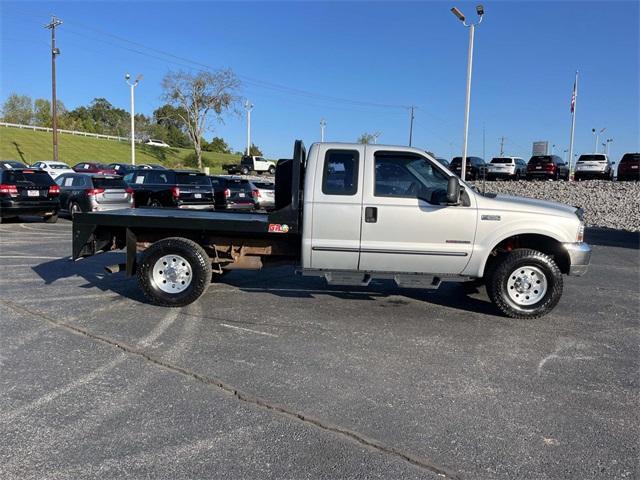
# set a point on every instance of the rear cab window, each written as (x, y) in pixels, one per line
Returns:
(340, 172)
(199, 179)
(540, 159)
(630, 158)
(509, 161)
(591, 158)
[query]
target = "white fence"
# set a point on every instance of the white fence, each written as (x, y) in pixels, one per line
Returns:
(71, 132)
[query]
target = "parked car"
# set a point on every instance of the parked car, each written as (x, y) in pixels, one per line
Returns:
(170, 188)
(629, 167)
(25, 191)
(7, 164)
(233, 193)
(551, 167)
(250, 164)
(92, 192)
(476, 167)
(263, 194)
(442, 161)
(122, 168)
(513, 168)
(93, 167)
(156, 143)
(53, 168)
(593, 165)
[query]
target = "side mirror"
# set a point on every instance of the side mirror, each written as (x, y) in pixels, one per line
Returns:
(453, 191)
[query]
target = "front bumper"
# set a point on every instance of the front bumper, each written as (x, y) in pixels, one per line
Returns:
(579, 258)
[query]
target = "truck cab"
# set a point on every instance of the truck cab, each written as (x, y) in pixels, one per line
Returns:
(352, 213)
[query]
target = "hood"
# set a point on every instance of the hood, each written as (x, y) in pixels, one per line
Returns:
(524, 204)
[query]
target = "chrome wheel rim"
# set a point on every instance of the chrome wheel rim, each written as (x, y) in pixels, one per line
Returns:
(172, 273)
(74, 209)
(527, 285)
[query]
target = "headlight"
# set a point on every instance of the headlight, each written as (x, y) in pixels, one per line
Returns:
(580, 235)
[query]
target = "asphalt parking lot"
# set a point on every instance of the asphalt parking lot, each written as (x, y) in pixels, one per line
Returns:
(272, 375)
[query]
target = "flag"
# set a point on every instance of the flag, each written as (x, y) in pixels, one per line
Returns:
(573, 97)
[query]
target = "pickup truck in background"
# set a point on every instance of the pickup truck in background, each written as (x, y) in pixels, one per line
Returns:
(352, 213)
(250, 164)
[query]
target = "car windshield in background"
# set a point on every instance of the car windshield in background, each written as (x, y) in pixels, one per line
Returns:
(57, 166)
(264, 185)
(108, 182)
(103, 166)
(502, 160)
(29, 178)
(541, 159)
(12, 164)
(591, 158)
(192, 179)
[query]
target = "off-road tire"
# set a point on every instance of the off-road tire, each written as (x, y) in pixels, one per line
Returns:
(51, 218)
(497, 283)
(272, 170)
(189, 250)
(244, 171)
(154, 203)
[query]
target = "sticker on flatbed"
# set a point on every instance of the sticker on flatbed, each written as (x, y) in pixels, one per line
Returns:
(278, 228)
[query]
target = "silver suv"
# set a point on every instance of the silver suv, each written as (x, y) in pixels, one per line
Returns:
(593, 165)
(513, 168)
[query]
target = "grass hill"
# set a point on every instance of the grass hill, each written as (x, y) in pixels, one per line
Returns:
(29, 146)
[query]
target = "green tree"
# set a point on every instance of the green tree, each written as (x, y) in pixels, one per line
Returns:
(366, 138)
(199, 95)
(168, 126)
(218, 145)
(42, 113)
(255, 151)
(18, 109)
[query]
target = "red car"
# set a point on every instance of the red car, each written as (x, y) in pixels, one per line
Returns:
(629, 168)
(93, 167)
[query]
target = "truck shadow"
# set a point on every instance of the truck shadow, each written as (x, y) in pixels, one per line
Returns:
(608, 237)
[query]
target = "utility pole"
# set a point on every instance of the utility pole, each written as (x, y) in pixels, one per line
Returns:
(484, 143)
(375, 137)
(132, 86)
(553, 147)
(501, 146)
(248, 107)
(55, 22)
(411, 126)
(323, 124)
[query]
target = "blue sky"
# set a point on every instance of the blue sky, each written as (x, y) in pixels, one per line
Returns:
(379, 56)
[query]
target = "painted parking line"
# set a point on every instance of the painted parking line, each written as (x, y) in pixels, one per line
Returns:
(249, 330)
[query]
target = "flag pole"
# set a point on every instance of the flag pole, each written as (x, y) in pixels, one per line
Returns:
(573, 124)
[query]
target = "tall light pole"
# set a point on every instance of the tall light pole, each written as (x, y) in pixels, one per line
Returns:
(472, 26)
(248, 106)
(132, 86)
(55, 22)
(323, 124)
(606, 147)
(375, 137)
(564, 152)
(411, 125)
(596, 134)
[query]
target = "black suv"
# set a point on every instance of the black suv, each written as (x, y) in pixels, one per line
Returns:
(170, 188)
(547, 166)
(233, 193)
(28, 192)
(476, 167)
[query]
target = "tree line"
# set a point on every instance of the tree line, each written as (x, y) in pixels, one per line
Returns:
(192, 103)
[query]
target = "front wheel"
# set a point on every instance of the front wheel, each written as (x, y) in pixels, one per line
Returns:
(174, 272)
(525, 284)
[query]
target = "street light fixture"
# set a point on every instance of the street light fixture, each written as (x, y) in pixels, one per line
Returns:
(597, 138)
(133, 85)
(471, 26)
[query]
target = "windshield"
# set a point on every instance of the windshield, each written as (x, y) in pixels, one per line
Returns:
(502, 160)
(541, 159)
(58, 166)
(630, 158)
(29, 178)
(193, 179)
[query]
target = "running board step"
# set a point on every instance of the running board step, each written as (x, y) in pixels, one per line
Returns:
(417, 281)
(348, 278)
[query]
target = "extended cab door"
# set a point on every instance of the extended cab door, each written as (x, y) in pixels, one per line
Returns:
(406, 224)
(337, 208)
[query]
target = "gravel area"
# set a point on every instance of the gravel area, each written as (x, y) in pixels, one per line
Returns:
(606, 204)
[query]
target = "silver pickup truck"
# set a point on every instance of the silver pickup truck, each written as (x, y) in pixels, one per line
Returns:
(352, 213)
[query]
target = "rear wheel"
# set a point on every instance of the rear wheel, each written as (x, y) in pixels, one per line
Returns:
(155, 203)
(73, 209)
(525, 284)
(272, 170)
(174, 272)
(244, 171)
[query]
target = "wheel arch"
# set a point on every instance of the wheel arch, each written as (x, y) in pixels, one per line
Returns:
(542, 242)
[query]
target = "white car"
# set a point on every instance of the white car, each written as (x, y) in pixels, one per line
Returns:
(593, 165)
(507, 167)
(157, 143)
(54, 169)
